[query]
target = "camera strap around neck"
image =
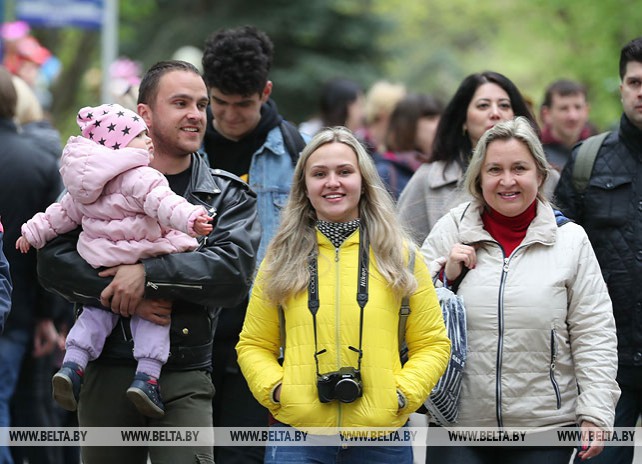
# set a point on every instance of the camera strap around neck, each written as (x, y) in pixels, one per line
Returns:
(362, 293)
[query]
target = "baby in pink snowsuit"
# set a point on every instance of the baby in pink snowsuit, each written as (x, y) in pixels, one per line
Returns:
(127, 212)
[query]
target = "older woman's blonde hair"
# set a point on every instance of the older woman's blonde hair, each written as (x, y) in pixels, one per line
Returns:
(519, 129)
(28, 108)
(285, 266)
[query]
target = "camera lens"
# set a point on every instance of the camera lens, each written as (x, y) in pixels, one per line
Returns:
(347, 390)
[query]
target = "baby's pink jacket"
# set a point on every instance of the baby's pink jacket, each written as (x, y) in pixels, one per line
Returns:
(126, 208)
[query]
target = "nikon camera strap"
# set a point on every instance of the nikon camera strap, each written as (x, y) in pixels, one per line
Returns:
(313, 299)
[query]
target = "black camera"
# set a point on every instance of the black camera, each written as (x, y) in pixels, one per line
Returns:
(343, 385)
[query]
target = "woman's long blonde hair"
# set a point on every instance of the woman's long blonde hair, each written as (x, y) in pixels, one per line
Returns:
(286, 263)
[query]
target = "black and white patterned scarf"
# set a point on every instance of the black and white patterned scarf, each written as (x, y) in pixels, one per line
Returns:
(337, 232)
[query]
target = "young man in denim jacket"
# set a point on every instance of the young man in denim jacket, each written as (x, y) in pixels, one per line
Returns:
(244, 135)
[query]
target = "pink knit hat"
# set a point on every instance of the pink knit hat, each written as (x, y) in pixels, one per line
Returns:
(111, 125)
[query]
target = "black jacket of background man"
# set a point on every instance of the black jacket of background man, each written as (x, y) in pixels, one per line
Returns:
(611, 212)
(29, 182)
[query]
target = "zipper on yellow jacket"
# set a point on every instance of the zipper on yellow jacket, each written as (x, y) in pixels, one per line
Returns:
(337, 316)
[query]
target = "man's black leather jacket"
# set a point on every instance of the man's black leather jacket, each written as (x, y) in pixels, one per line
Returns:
(218, 274)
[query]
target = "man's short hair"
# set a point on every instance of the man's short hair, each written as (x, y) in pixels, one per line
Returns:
(563, 88)
(8, 96)
(148, 88)
(632, 51)
(237, 61)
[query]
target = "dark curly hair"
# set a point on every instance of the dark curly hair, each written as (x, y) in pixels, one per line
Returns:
(237, 61)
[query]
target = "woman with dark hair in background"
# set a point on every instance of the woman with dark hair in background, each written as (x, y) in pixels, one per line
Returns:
(408, 141)
(481, 101)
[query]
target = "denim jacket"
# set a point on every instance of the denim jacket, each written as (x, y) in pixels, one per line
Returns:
(271, 173)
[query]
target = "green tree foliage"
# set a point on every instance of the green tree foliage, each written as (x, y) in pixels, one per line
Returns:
(437, 43)
(313, 40)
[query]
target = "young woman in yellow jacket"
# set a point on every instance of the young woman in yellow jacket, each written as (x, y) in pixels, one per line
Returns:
(338, 268)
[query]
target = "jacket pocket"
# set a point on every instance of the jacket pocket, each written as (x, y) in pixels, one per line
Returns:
(280, 200)
(556, 387)
(609, 200)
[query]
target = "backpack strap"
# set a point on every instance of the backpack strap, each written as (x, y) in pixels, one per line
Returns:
(404, 310)
(586, 154)
(293, 140)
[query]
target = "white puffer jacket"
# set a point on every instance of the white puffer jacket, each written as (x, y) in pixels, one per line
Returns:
(540, 324)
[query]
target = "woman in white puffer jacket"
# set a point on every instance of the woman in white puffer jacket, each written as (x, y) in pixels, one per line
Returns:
(541, 335)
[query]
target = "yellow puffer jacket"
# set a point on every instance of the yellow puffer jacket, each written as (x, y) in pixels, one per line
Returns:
(338, 328)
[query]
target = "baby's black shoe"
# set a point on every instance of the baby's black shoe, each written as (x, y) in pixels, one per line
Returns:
(66, 385)
(144, 392)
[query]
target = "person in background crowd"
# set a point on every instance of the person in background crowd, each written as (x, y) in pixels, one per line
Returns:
(25, 57)
(339, 224)
(408, 141)
(610, 211)
(32, 122)
(32, 404)
(564, 114)
(341, 103)
(22, 53)
(29, 182)
(481, 101)
(245, 135)
(185, 290)
(5, 284)
(427, 123)
(551, 360)
(381, 99)
(124, 79)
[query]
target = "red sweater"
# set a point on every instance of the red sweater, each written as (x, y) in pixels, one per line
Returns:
(508, 231)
